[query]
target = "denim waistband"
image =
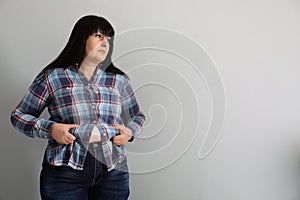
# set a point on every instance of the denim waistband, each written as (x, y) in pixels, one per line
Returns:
(95, 150)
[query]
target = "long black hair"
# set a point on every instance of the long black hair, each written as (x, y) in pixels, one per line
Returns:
(73, 53)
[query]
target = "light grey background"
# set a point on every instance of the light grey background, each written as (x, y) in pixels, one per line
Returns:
(254, 45)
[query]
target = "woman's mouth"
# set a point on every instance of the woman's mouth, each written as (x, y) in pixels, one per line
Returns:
(101, 51)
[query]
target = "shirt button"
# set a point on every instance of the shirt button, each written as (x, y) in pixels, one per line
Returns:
(95, 146)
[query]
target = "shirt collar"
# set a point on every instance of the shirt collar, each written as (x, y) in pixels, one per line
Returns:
(100, 67)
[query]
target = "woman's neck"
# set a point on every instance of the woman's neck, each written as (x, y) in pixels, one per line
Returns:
(88, 68)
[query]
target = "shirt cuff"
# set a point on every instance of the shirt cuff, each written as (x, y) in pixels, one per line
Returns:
(45, 129)
(135, 130)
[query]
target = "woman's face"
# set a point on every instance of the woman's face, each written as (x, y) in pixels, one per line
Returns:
(97, 47)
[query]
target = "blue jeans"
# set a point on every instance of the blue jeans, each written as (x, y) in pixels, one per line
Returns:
(94, 182)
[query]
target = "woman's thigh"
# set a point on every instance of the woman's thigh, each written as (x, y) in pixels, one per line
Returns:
(62, 183)
(62, 191)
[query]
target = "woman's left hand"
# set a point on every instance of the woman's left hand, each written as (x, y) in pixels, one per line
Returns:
(123, 137)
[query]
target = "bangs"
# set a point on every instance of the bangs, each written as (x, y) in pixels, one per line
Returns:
(106, 32)
(102, 26)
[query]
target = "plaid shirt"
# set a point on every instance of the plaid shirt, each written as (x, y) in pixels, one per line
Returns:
(104, 100)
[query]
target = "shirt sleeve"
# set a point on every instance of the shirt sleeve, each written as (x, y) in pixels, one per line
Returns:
(25, 116)
(134, 116)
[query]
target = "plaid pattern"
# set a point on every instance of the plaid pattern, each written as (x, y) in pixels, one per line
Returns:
(70, 98)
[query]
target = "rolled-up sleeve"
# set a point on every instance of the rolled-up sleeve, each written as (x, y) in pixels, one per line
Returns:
(25, 117)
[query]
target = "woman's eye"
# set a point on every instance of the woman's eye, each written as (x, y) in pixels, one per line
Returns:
(98, 36)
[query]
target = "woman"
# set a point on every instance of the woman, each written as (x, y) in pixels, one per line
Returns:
(94, 113)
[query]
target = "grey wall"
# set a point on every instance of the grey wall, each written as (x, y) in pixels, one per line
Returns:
(218, 81)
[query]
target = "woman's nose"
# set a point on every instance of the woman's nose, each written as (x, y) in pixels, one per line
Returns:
(104, 42)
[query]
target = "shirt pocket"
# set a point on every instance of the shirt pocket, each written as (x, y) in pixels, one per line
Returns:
(109, 101)
(64, 109)
(63, 96)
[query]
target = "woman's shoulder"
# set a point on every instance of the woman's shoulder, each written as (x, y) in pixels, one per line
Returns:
(51, 72)
(122, 78)
(55, 73)
(42, 77)
(49, 75)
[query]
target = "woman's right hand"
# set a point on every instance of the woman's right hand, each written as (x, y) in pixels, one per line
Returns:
(60, 132)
